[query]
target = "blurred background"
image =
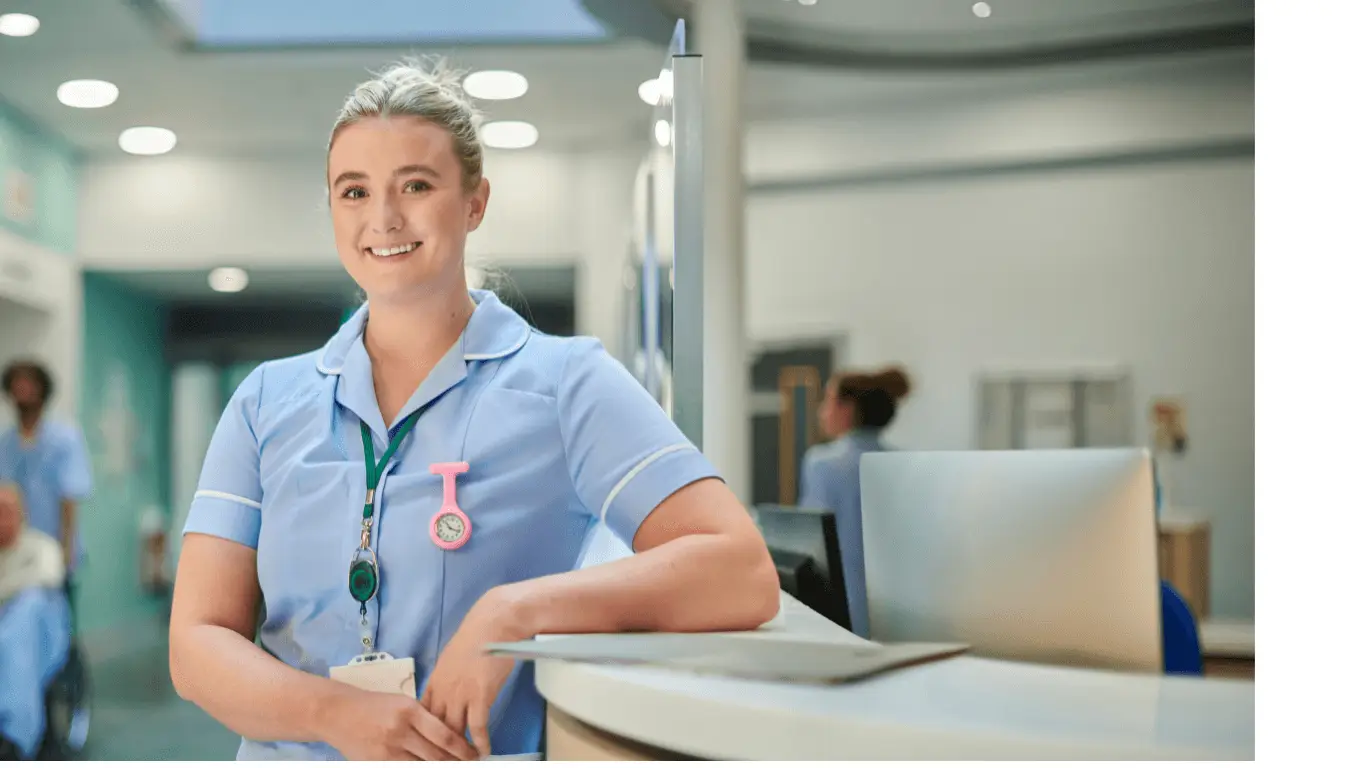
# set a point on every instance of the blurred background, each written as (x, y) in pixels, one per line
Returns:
(1043, 209)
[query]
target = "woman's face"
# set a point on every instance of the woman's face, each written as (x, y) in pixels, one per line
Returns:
(400, 211)
(836, 416)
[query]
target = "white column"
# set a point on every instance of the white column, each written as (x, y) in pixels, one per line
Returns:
(719, 29)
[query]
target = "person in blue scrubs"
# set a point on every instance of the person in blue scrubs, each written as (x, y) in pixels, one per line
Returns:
(423, 484)
(46, 458)
(856, 408)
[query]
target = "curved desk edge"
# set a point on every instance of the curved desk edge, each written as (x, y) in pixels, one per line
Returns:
(632, 713)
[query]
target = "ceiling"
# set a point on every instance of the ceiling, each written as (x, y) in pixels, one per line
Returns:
(269, 101)
(951, 27)
(284, 100)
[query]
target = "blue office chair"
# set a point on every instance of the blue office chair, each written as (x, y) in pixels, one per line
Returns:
(1181, 653)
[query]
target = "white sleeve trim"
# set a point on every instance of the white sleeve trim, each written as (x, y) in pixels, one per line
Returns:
(228, 497)
(637, 469)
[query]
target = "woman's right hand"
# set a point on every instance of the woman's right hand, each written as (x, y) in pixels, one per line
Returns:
(385, 726)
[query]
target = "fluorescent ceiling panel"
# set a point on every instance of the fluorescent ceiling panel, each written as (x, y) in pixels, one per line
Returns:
(269, 23)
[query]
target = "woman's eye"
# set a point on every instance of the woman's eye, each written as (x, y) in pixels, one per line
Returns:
(416, 186)
(353, 193)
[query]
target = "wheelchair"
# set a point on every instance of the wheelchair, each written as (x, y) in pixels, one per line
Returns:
(67, 702)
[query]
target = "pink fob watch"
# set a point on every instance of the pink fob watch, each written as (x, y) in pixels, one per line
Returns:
(450, 527)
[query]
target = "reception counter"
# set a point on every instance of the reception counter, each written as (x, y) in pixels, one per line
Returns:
(961, 708)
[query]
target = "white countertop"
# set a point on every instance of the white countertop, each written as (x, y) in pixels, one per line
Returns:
(962, 708)
(1228, 638)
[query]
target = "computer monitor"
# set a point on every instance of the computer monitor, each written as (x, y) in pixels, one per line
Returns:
(1047, 556)
(805, 549)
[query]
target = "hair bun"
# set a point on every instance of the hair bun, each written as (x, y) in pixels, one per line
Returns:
(893, 381)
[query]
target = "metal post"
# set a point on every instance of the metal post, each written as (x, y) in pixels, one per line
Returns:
(688, 235)
(649, 290)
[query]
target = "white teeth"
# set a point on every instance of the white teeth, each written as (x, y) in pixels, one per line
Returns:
(393, 251)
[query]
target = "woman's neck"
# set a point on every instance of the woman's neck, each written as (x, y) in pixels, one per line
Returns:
(405, 341)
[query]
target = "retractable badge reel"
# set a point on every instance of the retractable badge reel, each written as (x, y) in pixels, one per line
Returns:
(450, 527)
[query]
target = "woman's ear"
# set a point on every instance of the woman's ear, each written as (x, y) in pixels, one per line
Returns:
(478, 205)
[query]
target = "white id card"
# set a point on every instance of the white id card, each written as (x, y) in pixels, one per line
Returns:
(379, 673)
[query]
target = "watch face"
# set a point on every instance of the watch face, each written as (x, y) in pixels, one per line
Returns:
(450, 527)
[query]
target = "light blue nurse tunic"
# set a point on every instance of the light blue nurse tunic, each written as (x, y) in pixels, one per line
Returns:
(830, 480)
(52, 467)
(558, 437)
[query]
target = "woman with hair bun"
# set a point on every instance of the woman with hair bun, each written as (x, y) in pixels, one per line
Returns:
(856, 408)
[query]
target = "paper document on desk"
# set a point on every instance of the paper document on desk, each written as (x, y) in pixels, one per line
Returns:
(735, 655)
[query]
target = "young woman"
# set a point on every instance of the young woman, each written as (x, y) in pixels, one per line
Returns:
(422, 486)
(856, 408)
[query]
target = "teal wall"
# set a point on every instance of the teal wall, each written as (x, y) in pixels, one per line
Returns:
(125, 413)
(53, 169)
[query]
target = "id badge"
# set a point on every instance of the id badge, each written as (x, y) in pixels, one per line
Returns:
(379, 673)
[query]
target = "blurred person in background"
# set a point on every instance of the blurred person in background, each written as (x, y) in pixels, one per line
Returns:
(47, 459)
(423, 485)
(856, 407)
(33, 633)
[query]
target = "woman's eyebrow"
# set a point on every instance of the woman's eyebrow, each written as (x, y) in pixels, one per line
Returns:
(427, 169)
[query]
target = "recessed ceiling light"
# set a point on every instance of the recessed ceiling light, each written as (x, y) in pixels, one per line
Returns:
(981, 10)
(18, 24)
(649, 92)
(509, 134)
(658, 90)
(146, 140)
(228, 280)
(495, 85)
(807, 2)
(663, 133)
(87, 94)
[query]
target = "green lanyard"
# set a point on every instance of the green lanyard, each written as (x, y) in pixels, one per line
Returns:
(363, 576)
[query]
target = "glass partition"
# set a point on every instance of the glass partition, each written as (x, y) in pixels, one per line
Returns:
(662, 336)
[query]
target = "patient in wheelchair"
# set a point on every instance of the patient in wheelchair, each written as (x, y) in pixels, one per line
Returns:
(34, 627)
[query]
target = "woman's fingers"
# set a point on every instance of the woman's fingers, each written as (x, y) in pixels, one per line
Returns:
(478, 719)
(440, 735)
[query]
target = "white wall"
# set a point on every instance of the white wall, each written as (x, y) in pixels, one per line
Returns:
(40, 316)
(1149, 266)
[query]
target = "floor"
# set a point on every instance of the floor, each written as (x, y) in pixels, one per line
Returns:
(136, 714)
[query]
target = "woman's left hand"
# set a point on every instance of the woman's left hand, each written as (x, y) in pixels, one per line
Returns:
(466, 681)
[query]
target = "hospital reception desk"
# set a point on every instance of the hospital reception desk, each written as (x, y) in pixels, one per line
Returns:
(960, 708)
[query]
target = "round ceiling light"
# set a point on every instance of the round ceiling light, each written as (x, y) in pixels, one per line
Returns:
(228, 280)
(87, 94)
(658, 90)
(663, 133)
(981, 10)
(509, 134)
(495, 85)
(650, 92)
(18, 24)
(146, 140)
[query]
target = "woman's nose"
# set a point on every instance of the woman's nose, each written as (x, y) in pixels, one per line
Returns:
(386, 215)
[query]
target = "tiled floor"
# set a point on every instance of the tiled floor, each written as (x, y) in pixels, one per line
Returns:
(136, 714)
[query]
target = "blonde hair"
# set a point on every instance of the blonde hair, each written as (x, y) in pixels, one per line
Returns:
(424, 88)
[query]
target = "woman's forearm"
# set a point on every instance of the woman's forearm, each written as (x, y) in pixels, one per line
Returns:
(696, 583)
(245, 688)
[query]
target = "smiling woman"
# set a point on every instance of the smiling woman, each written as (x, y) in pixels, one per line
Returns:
(452, 463)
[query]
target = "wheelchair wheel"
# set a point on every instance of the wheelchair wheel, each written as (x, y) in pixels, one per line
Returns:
(68, 711)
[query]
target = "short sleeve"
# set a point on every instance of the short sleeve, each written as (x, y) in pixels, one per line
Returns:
(73, 475)
(227, 503)
(625, 454)
(813, 491)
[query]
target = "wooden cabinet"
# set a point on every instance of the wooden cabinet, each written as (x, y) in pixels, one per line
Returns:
(1183, 561)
